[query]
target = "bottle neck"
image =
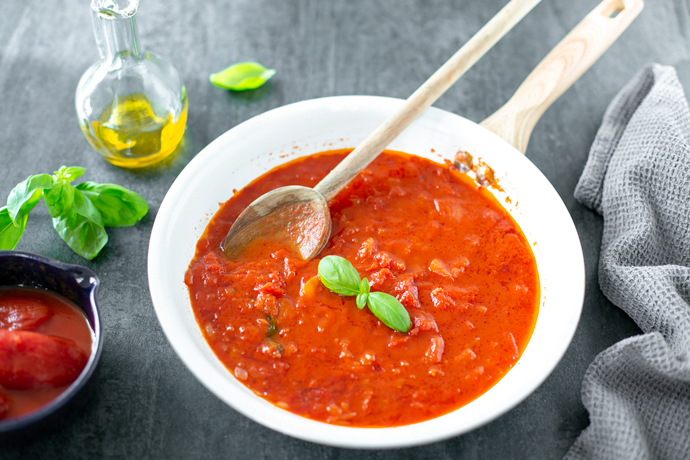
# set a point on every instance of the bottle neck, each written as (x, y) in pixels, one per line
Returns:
(115, 35)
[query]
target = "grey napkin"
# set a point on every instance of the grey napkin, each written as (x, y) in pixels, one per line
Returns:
(638, 177)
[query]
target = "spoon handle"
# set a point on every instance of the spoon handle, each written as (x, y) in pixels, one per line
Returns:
(560, 69)
(426, 95)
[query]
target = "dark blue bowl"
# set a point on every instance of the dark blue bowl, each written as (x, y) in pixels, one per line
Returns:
(79, 285)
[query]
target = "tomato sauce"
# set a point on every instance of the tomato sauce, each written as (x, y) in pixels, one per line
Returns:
(45, 342)
(418, 230)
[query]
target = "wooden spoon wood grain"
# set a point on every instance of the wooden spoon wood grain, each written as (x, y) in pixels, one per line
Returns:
(299, 216)
(560, 68)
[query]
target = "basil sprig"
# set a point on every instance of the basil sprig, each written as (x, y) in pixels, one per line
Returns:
(79, 212)
(338, 275)
(242, 76)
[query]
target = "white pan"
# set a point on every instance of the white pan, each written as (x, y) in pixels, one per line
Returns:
(250, 149)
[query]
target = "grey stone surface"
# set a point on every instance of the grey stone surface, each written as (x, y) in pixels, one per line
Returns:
(147, 405)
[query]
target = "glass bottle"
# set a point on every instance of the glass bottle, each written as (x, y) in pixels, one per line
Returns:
(132, 105)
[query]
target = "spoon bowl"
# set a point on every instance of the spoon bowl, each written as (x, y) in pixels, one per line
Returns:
(297, 217)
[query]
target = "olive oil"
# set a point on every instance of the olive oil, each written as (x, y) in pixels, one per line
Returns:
(132, 133)
(131, 104)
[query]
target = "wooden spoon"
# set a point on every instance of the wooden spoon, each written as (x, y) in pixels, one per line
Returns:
(299, 217)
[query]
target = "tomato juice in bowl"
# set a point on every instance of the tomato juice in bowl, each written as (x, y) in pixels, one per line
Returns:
(45, 343)
(246, 152)
(50, 337)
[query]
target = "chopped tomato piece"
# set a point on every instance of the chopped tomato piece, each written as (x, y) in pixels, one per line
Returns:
(366, 249)
(407, 292)
(377, 279)
(441, 299)
(387, 260)
(424, 321)
(440, 268)
(435, 351)
(267, 303)
(31, 360)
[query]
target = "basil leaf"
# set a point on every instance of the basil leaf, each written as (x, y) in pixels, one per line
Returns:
(118, 206)
(24, 197)
(60, 198)
(338, 275)
(10, 233)
(85, 237)
(391, 312)
(84, 207)
(363, 295)
(364, 286)
(362, 299)
(69, 173)
(242, 76)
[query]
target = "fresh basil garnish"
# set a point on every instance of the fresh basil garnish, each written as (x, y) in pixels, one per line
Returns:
(79, 212)
(242, 76)
(363, 295)
(338, 275)
(391, 312)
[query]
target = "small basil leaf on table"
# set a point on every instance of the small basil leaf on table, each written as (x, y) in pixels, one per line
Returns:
(118, 206)
(10, 233)
(391, 312)
(59, 199)
(26, 195)
(242, 76)
(82, 235)
(338, 275)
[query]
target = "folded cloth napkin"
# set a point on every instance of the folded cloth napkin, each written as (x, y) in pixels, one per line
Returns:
(638, 177)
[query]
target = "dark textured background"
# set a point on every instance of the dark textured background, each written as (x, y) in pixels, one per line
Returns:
(147, 405)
